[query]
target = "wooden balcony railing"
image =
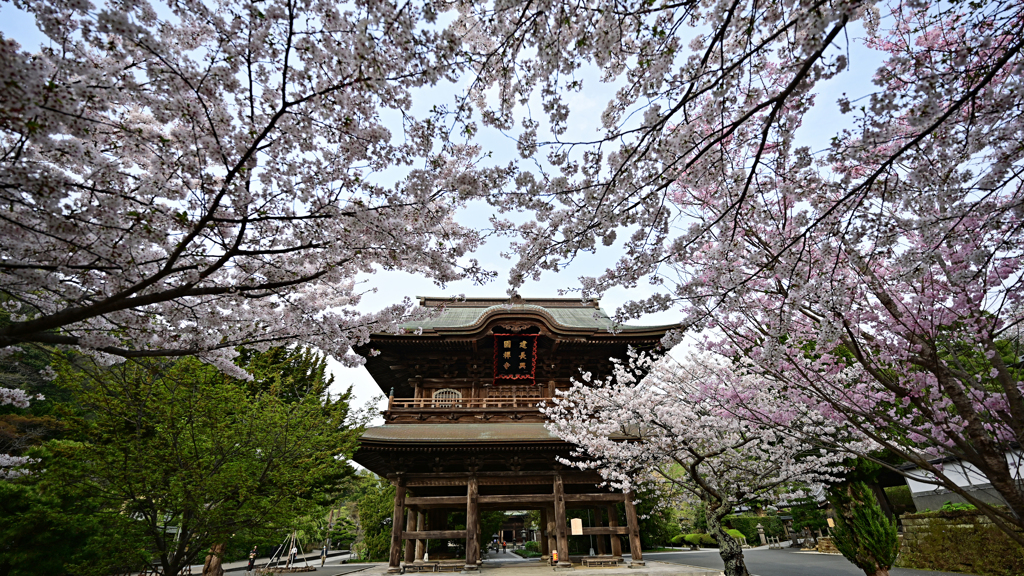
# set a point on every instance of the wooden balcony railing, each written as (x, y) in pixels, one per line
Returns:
(469, 403)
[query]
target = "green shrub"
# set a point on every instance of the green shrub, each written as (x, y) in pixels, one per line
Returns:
(748, 526)
(808, 515)
(677, 540)
(900, 499)
(735, 534)
(531, 546)
(957, 506)
(528, 554)
(702, 540)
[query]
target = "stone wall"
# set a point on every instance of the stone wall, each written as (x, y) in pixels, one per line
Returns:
(826, 546)
(958, 541)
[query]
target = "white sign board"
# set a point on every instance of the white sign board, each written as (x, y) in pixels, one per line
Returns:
(576, 526)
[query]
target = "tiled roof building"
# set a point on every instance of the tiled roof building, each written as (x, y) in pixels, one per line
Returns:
(463, 429)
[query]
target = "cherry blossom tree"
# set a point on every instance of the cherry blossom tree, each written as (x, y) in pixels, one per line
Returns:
(670, 431)
(877, 282)
(179, 179)
(10, 464)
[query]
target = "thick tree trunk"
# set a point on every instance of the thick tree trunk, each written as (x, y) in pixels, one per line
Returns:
(212, 566)
(728, 548)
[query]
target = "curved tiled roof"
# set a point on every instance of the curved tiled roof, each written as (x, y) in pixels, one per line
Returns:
(568, 313)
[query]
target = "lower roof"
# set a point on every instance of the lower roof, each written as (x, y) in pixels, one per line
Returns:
(447, 433)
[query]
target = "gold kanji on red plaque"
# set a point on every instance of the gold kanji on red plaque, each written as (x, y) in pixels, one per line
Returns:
(520, 347)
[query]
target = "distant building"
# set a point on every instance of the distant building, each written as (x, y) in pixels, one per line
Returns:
(963, 474)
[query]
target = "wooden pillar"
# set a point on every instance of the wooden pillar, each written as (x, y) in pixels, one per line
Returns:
(410, 545)
(472, 526)
(560, 535)
(613, 521)
(479, 533)
(545, 551)
(601, 551)
(421, 545)
(551, 532)
(394, 560)
(634, 531)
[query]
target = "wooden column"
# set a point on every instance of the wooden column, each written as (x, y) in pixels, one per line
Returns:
(551, 532)
(545, 551)
(613, 521)
(601, 551)
(472, 526)
(421, 545)
(479, 533)
(560, 535)
(634, 531)
(394, 560)
(410, 545)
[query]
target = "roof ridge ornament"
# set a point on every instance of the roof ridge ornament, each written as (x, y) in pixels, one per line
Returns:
(516, 327)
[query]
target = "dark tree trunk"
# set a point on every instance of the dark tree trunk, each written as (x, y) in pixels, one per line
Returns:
(212, 566)
(728, 548)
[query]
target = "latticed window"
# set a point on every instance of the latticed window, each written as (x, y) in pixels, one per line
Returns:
(447, 397)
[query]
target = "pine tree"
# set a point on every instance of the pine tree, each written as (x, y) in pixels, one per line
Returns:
(375, 511)
(863, 534)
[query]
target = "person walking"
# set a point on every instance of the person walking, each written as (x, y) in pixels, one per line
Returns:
(291, 556)
(503, 544)
(252, 560)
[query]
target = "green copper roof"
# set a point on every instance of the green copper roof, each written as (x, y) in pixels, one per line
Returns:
(570, 313)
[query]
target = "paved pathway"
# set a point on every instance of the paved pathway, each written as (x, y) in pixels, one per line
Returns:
(313, 558)
(786, 562)
(706, 562)
(535, 567)
(508, 556)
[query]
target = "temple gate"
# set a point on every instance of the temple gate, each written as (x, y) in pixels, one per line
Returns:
(463, 430)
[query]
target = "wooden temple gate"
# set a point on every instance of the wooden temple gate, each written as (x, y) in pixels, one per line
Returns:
(464, 431)
(410, 512)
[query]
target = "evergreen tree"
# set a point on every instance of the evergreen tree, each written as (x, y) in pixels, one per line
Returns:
(162, 460)
(375, 511)
(863, 534)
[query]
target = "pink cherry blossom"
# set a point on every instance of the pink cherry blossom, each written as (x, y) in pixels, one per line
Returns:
(669, 427)
(877, 281)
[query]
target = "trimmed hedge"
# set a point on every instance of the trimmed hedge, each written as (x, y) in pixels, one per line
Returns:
(901, 500)
(528, 553)
(702, 540)
(958, 541)
(748, 526)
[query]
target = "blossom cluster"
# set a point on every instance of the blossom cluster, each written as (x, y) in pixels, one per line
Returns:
(667, 426)
(184, 179)
(877, 282)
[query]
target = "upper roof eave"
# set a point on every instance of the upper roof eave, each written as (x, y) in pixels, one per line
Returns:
(574, 318)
